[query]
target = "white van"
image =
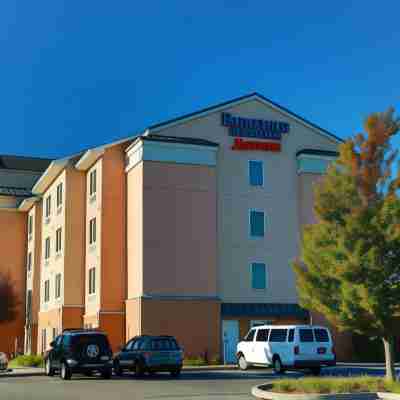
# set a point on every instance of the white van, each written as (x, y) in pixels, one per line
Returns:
(287, 347)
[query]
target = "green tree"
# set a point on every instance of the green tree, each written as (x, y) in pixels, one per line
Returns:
(349, 268)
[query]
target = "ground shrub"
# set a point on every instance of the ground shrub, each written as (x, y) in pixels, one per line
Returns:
(27, 361)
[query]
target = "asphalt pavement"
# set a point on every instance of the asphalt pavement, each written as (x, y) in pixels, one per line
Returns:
(192, 385)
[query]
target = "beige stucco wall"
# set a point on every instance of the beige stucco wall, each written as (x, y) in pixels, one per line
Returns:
(134, 220)
(93, 251)
(278, 198)
(179, 231)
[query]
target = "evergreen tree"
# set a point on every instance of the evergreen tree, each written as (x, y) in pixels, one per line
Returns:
(350, 263)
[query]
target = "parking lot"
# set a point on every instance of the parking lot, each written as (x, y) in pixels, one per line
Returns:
(197, 385)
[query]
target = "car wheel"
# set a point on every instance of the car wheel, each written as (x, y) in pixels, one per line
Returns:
(48, 368)
(316, 371)
(277, 365)
(139, 369)
(176, 373)
(242, 363)
(89, 373)
(106, 373)
(117, 369)
(65, 372)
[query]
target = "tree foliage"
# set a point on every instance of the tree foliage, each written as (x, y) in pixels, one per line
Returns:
(8, 299)
(350, 263)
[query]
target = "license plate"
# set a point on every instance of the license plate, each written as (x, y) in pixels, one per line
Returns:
(321, 350)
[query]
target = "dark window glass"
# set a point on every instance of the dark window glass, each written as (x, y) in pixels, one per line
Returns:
(135, 345)
(66, 340)
(82, 340)
(278, 335)
(250, 336)
(262, 335)
(321, 335)
(291, 335)
(306, 335)
(129, 345)
(143, 345)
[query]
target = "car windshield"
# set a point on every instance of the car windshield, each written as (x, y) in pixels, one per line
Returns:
(81, 340)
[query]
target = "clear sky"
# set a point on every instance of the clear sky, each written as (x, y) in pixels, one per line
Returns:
(78, 73)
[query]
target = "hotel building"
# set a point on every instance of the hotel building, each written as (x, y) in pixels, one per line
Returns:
(187, 229)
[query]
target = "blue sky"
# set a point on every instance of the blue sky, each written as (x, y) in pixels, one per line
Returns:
(74, 74)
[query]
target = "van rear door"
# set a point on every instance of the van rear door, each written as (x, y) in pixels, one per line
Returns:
(307, 345)
(324, 344)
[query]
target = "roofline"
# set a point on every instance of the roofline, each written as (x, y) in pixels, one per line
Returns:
(35, 158)
(238, 100)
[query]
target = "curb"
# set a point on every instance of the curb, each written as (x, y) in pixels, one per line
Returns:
(17, 374)
(210, 368)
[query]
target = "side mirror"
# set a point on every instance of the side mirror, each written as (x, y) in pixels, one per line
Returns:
(53, 343)
(121, 348)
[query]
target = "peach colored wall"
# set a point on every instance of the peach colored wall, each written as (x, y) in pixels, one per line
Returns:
(74, 271)
(37, 261)
(48, 320)
(113, 251)
(180, 229)
(133, 324)
(195, 324)
(134, 220)
(13, 233)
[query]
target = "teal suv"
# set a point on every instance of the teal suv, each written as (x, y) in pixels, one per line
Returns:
(79, 351)
(150, 354)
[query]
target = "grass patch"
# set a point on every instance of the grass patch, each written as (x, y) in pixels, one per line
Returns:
(194, 362)
(334, 385)
(26, 361)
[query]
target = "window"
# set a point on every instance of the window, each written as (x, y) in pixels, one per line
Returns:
(30, 225)
(46, 291)
(262, 335)
(48, 206)
(92, 231)
(29, 305)
(92, 280)
(306, 335)
(58, 240)
(54, 333)
(258, 276)
(135, 345)
(291, 335)
(58, 286)
(278, 335)
(250, 336)
(29, 262)
(129, 345)
(47, 249)
(93, 182)
(44, 340)
(257, 223)
(59, 195)
(256, 173)
(321, 335)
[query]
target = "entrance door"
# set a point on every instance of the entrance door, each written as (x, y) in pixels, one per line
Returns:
(230, 339)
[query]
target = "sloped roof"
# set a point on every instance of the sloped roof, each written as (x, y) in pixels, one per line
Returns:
(21, 163)
(240, 100)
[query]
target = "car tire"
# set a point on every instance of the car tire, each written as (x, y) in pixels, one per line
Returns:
(316, 371)
(106, 373)
(65, 371)
(48, 368)
(139, 369)
(242, 363)
(176, 373)
(117, 369)
(277, 365)
(89, 373)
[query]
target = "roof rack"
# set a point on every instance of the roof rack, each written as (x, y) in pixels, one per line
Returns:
(82, 330)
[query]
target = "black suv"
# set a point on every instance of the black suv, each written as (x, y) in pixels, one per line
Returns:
(79, 351)
(149, 354)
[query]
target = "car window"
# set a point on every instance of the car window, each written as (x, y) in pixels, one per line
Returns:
(58, 340)
(143, 345)
(291, 335)
(278, 335)
(161, 344)
(82, 340)
(250, 336)
(135, 345)
(66, 340)
(262, 335)
(321, 335)
(306, 335)
(129, 345)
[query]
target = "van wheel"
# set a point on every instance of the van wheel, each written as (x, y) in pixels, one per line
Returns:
(277, 365)
(49, 370)
(65, 372)
(316, 371)
(242, 363)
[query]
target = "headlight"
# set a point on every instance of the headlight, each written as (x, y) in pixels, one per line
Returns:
(104, 358)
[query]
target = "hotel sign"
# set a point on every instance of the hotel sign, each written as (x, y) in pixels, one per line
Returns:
(240, 127)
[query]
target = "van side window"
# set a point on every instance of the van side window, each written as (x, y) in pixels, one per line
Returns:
(250, 336)
(306, 335)
(291, 335)
(321, 335)
(262, 335)
(278, 335)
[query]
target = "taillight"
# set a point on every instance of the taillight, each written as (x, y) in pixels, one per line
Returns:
(146, 354)
(296, 350)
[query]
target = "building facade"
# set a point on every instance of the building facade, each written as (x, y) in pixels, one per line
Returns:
(187, 229)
